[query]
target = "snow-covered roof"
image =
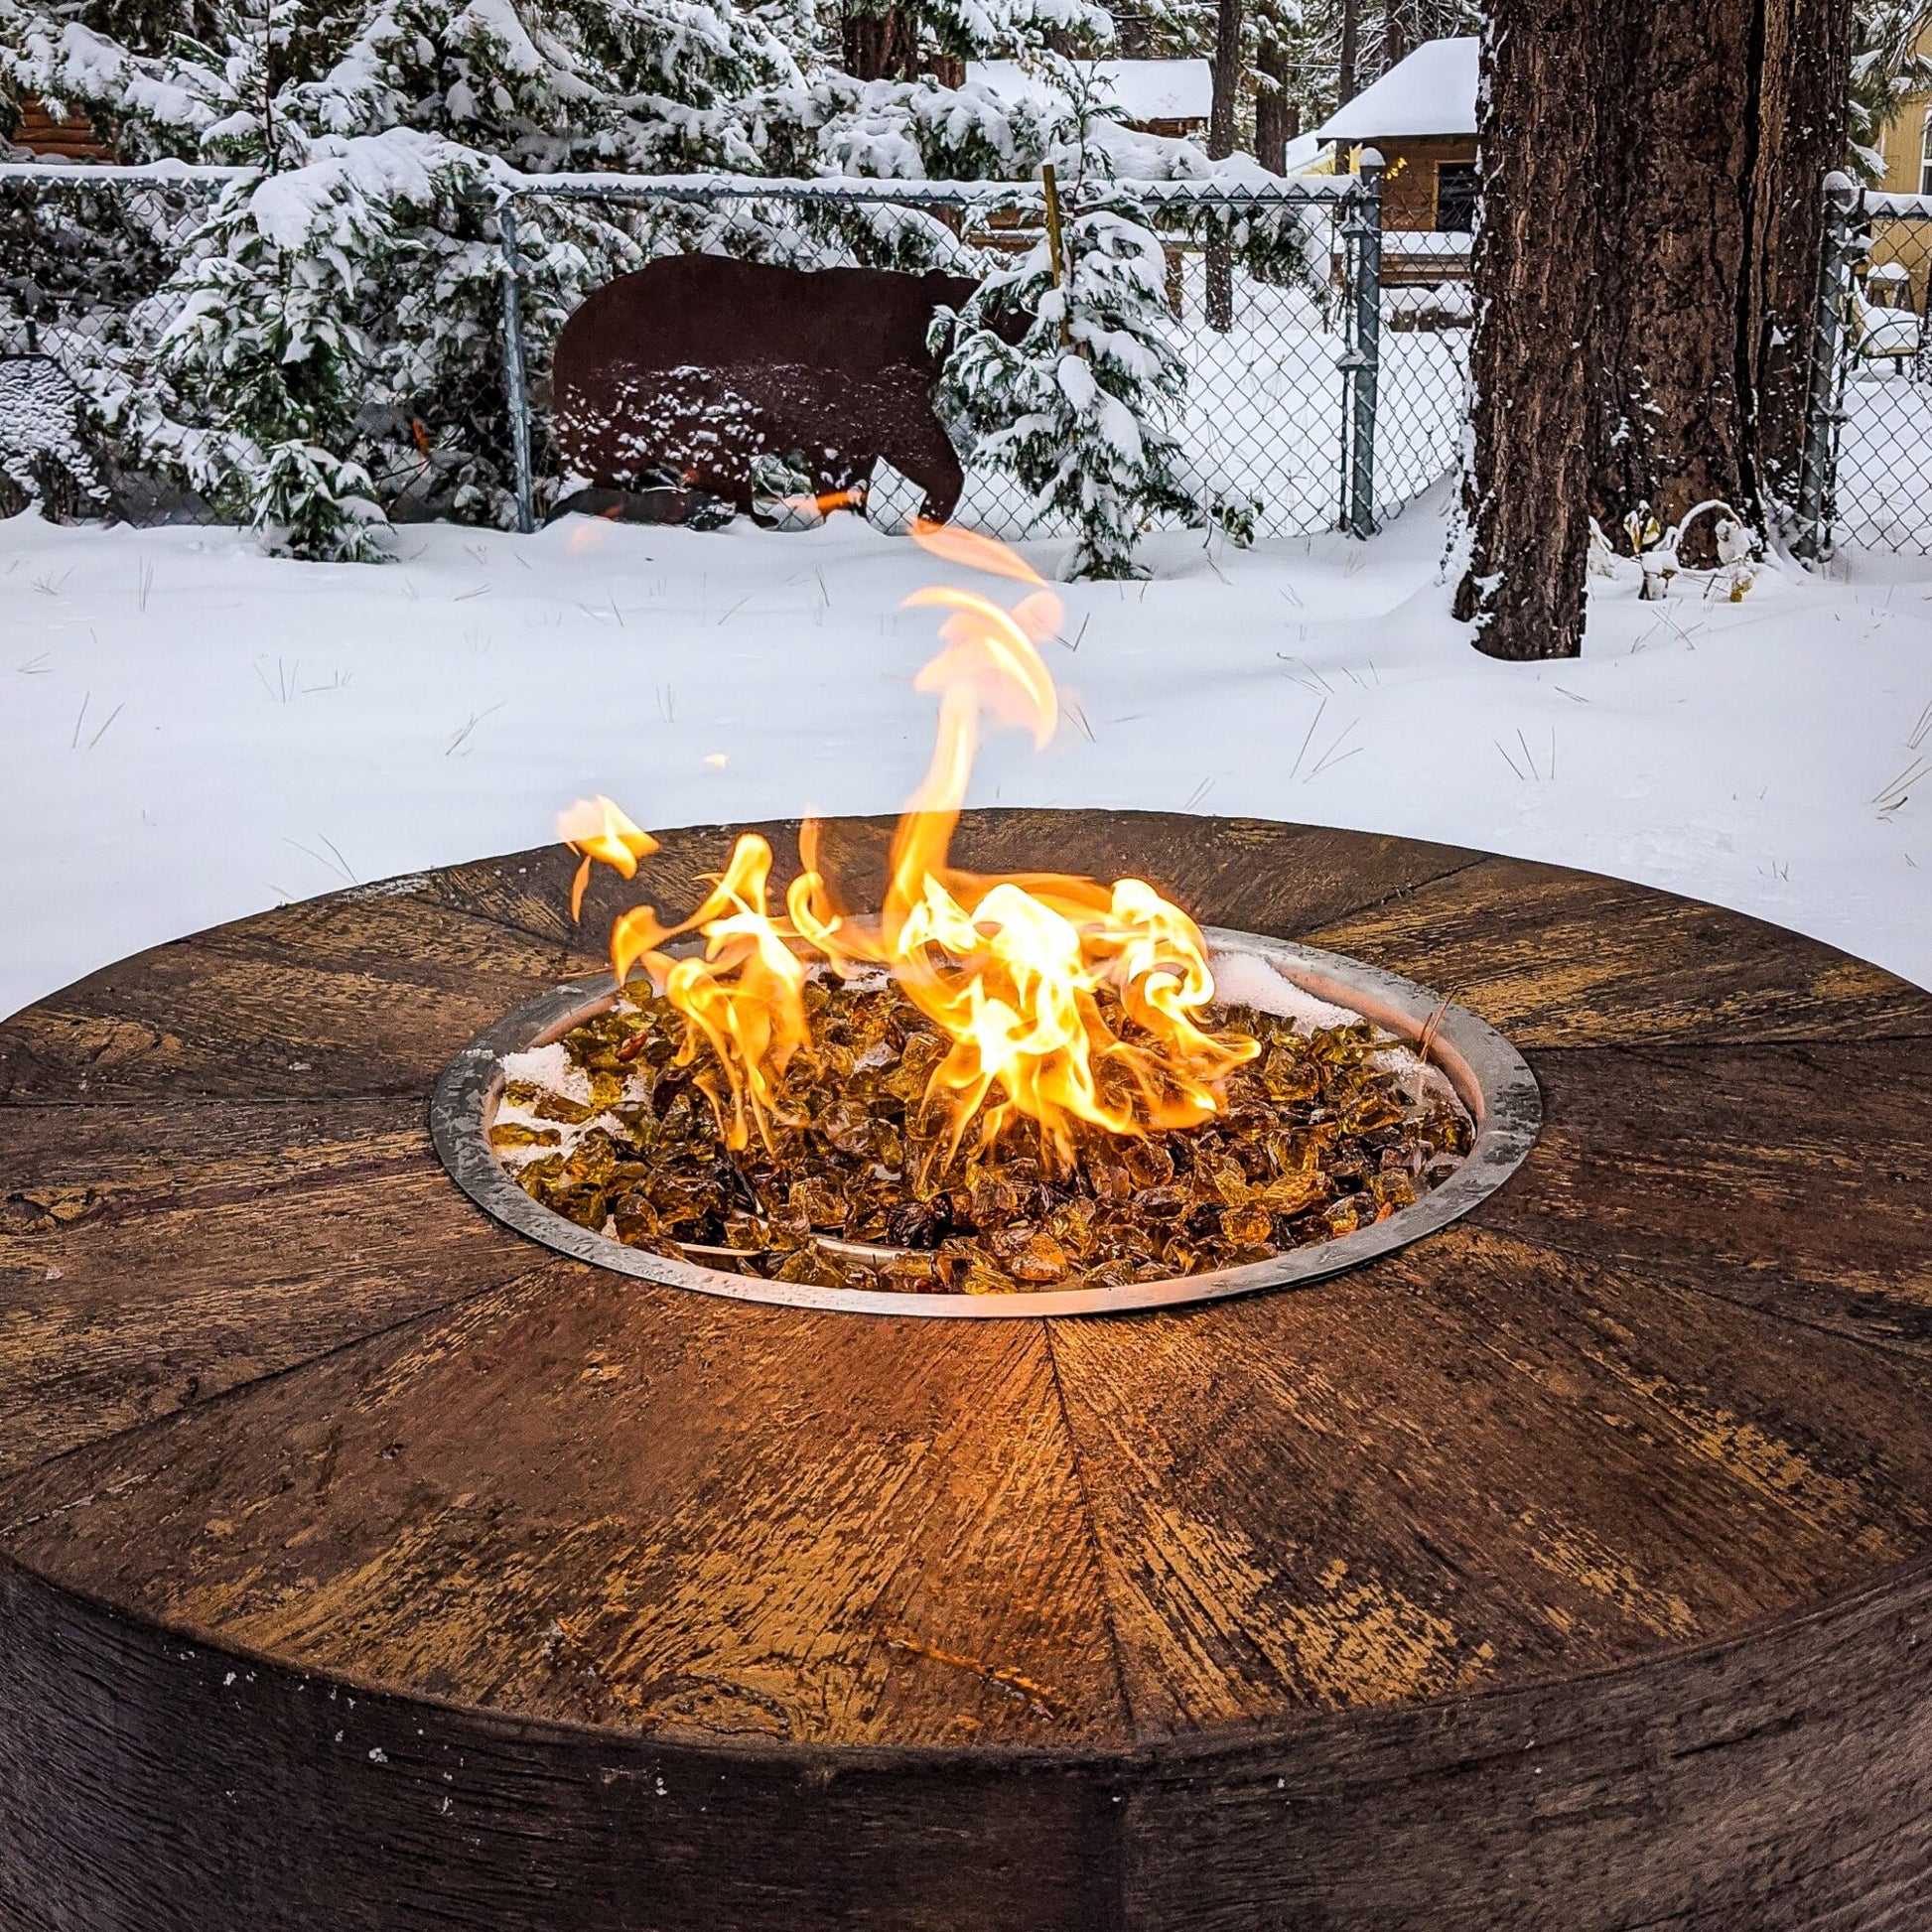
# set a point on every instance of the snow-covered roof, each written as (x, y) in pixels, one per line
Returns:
(1142, 90)
(1432, 91)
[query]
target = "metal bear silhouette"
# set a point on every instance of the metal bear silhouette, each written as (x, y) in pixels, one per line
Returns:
(689, 372)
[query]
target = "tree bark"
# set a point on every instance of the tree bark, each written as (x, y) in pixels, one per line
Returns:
(1395, 35)
(1278, 120)
(879, 46)
(1220, 144)
(1349, 57)
(1732, 114)
(1649, 230)
(1528, 492)
(1809, 135)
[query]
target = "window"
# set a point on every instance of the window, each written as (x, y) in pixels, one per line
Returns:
(1925, 159)
(1456, 197)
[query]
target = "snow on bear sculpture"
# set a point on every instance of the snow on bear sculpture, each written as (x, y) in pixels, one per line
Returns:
(697, 371)
(44, 452)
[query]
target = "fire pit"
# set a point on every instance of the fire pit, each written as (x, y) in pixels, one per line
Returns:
(362, 1563)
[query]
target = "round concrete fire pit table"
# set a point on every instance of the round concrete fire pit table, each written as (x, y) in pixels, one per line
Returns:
(364, 1564)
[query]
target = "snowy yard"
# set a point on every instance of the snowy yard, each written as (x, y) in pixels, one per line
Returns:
(191, 731)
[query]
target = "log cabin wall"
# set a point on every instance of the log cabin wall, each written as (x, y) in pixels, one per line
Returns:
(73, 139)
(1410, 200)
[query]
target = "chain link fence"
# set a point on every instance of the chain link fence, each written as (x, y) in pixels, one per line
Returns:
(86, 254)
(1869, 480)
(1312, 391)
(82, 250)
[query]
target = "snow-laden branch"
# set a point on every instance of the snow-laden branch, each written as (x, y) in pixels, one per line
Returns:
(1271, 191)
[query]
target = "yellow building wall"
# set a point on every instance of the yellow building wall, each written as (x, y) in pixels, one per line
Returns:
(1903, 143)
(1903, 146)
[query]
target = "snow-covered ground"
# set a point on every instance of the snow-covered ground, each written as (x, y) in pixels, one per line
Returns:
(1884, 456)
(190, 732)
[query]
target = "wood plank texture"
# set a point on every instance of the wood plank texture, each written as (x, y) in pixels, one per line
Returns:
(364, 1566)
(155, 1785)
(152, 1256)
(1780, 1783)
(1794, 1179)
(364, 993)
(1559, 958)
(589, 1499)
(1487, 1463)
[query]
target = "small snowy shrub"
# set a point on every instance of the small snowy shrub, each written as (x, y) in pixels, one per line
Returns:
(262, 353)
(1079, 416)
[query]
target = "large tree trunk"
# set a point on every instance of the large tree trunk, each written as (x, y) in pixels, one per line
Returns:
(1685, 221)
(1396, 41)
(1807, 136)
(881, 45)
(1527, 495)
(1220, 144)
(1733, 113)
(1673, 226)
(1278, 120)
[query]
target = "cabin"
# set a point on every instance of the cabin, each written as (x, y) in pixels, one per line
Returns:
(1421, 116)
(1904, 143)
(1170, 97)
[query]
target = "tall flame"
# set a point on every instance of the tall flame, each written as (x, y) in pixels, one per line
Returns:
(1010, 970)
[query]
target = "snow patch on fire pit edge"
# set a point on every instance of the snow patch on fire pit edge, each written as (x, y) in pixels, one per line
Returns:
(1246, 979)
(552, 1068)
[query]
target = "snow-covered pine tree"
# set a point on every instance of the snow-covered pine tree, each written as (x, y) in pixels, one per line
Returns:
(901, 39)
(330, 336)
(1079, 411)
(370, 255)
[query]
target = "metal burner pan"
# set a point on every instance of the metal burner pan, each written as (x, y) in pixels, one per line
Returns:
(1487, 1072)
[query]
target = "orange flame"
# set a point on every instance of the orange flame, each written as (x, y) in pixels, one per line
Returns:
(745, 997)
(825, 502)
(599, 829)
(1010, 970)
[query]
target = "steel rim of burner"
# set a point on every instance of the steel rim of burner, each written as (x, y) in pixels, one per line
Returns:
(1492, 1078)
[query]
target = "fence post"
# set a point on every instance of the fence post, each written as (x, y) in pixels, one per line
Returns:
(516, 386)
(1828, 339)
(1363, 360)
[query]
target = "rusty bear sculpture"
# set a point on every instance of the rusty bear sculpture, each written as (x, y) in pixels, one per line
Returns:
(690, 370)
